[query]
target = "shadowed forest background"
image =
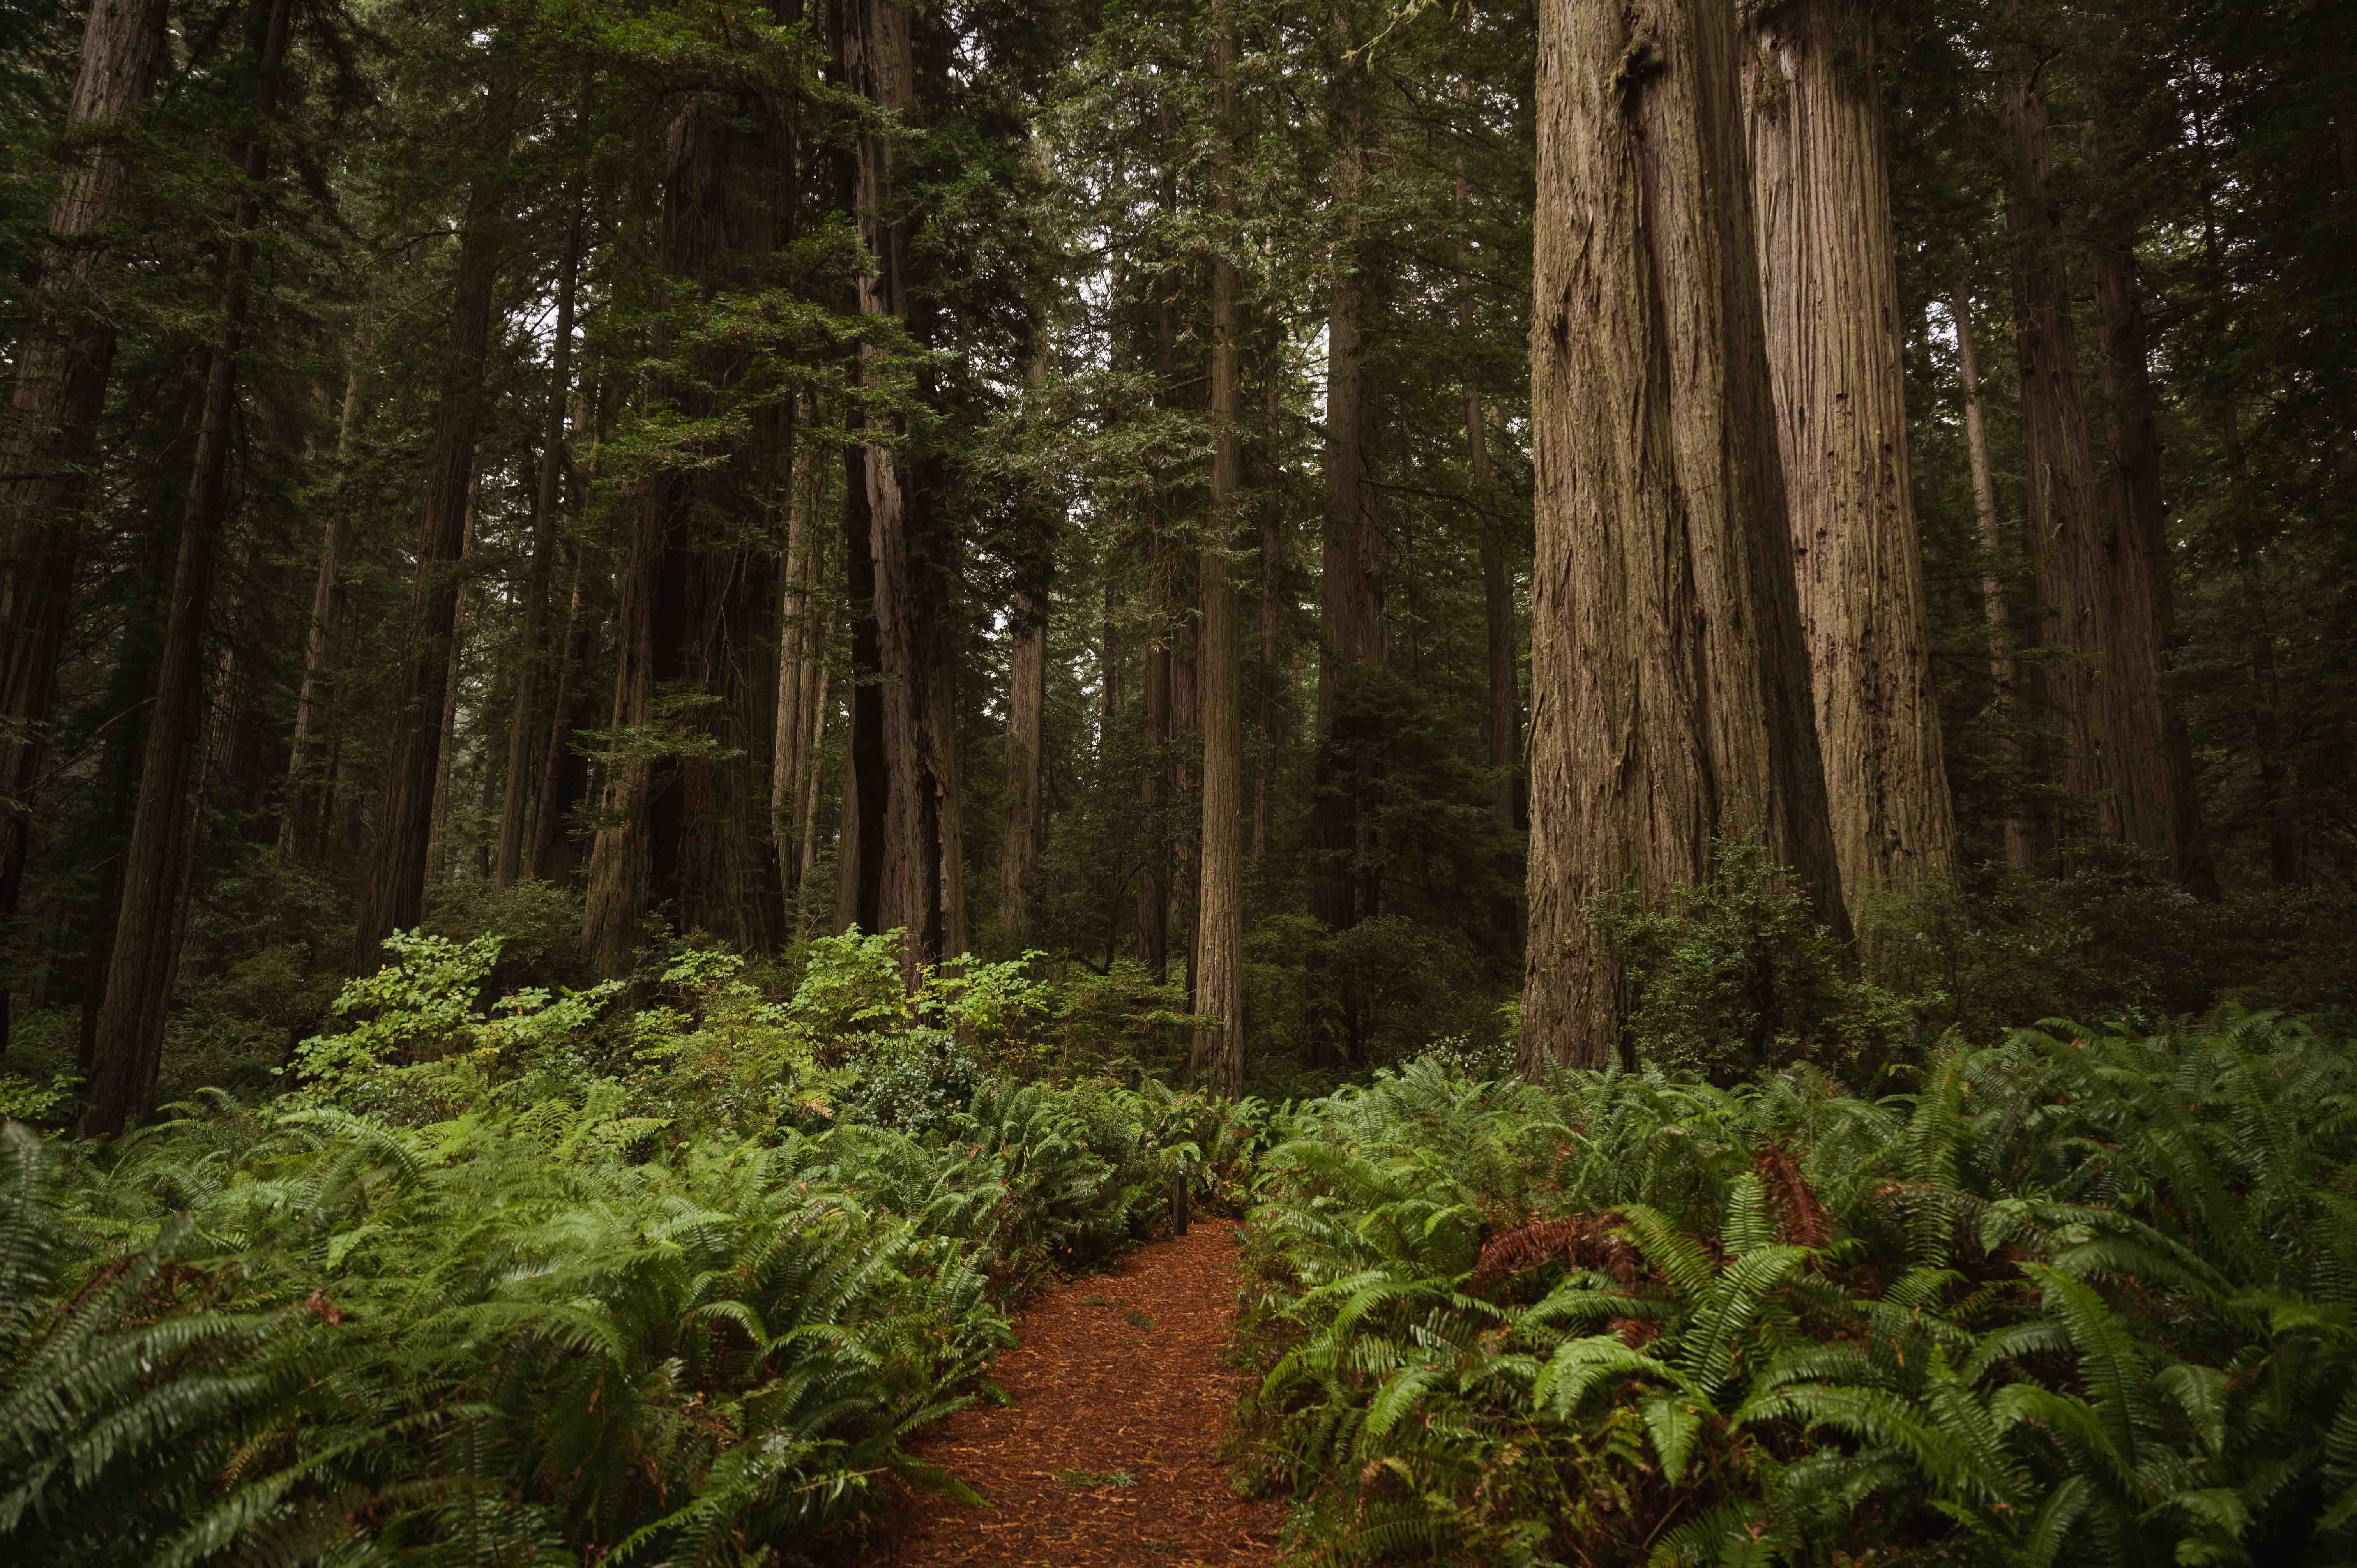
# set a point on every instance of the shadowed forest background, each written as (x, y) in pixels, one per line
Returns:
(1265, 550)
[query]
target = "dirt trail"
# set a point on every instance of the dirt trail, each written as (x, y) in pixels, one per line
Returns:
(1110, 1453)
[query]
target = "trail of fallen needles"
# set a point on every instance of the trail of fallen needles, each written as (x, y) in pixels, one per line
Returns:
(1109, 1454)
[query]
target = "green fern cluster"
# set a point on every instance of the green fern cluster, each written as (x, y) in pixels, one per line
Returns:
(2084, 1295)
(438, 1313)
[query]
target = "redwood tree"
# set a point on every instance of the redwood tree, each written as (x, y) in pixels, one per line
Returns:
(1821, 186)
(1670, 694)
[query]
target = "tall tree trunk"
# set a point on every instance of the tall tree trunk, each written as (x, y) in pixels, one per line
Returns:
(1670, 693)
(1151, 930)
(134, 685)
(802, 654)
(299, 821)
(530, 725)
(1497, 589)
(922, 882)
(55, 407)
(1271, 585)
(2159, 806)
(1219, 964)
(2020, 841)
(2111, 762)
(1821, 182)
(1027, 701)
(682, 812)
(1355, 556)
(563, 772)
(437, 835)
(146, 956)
(394, 898)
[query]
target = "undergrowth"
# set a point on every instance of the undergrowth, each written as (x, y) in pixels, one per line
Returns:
(530, 1278)
(2086, 1295)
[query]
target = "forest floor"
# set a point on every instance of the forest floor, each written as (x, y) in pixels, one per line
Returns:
(1110, 1452)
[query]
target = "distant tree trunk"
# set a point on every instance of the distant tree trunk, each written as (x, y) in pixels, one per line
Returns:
(530, 722)
(1271, 585)
(1670, 693)
(394, 898)
(1218, 965)
(859, 842)
(2154, 748)
(1355, 556)
(146, 950)
(1821, 182)
(300, 821)
(681, 813)
(134, 685)
(922, 882)
(437, 836)
(564, 773)
(801, 656)
(2093, 578)
(1497, 589)
(59, 395)
(1027, 701)
(1152, 925)
(2021, 843)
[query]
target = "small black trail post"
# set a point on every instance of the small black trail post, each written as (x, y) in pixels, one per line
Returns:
(1179, 1198)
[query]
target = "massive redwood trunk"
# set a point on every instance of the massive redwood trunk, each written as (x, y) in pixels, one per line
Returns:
(1217, 1053)
(146, 956)
(59, 393)
(394, 898)
(1821, 182)
(1670, 695)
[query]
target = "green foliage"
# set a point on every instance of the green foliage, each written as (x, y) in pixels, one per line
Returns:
(535, 1279)
(1735, 976)
(2082, 1295)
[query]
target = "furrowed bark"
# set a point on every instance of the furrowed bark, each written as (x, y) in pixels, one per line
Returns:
(1828, 261)
(1670, 695)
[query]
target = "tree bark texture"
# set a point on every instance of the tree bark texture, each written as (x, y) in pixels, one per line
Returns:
(145, 959)
(394, 898)
(1670, 693)
(531, 721)
(1821, 189)
(56, 403)
(2020, 841)
(1217, 1053)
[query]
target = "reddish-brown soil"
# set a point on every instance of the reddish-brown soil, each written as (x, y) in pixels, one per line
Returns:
(1110, 1453)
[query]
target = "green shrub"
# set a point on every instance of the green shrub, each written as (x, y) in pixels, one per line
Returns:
(1735, 976)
